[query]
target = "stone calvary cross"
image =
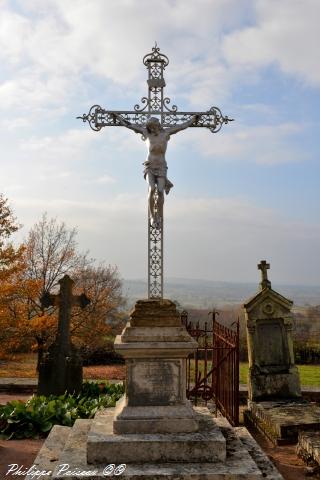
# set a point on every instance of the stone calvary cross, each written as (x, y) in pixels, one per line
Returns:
(156, 121)
(65, 300)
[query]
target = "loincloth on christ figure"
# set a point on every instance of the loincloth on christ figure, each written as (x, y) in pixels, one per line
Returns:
(158, 169)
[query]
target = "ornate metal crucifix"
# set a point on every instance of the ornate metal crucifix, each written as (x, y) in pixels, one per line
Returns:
(156, 121)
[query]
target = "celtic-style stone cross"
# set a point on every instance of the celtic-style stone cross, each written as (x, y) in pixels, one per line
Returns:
(264, 266)
(65, 300)
(156, 121)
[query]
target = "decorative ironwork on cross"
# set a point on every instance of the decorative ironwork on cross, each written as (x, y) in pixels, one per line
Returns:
(155, 107)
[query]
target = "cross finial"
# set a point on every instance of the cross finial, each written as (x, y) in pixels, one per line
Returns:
(264, 266)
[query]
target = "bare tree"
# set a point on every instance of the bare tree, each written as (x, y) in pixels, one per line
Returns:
(105, 314)
(51, 252)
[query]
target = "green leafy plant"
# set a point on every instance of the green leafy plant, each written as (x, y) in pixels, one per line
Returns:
(36, 417)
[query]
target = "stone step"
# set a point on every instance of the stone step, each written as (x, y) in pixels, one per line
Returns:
(267, 468)
(72, 460)
(104, 446)
(49, 455)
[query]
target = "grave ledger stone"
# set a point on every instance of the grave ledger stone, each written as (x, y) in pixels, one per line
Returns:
(272, 370)
(61, 368)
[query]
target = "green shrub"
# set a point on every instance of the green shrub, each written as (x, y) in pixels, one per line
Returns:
(36, 417)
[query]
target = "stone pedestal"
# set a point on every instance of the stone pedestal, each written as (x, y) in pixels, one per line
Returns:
(155, 346)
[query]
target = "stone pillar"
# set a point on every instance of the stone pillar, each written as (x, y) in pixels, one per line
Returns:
(272, 370)
(155, 346)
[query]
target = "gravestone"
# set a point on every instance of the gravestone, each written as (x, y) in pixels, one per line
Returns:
(272, 370)
(60, 370)
(275, 405)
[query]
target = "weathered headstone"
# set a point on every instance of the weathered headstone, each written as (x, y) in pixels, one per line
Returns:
(272, 370)
(275, 404)
(60, 370)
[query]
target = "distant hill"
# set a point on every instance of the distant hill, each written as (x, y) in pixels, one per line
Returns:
(206, 294)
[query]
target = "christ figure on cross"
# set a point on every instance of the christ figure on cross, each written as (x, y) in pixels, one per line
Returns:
(155, 166)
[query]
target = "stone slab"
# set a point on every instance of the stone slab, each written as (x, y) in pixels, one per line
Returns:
(267, 468)
(103, 445)
(155, 313)
(154, 349)
(155, 334)
(150, 419)
(48, 456)
(238, 465)
(308, 447)
(281, 421)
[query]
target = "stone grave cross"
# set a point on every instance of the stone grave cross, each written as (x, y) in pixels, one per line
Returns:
(264, 266)
(60, 370)
(156, 120)
(64, 300)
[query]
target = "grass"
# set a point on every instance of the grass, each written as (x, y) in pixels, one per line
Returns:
(309, 374)
(23, 365)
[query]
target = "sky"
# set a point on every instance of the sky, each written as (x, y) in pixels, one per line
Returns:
(247, 193)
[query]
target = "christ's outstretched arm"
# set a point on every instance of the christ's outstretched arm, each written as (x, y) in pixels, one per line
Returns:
(125, 123)
(183, 126)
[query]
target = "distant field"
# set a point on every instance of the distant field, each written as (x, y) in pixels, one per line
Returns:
(309, 374)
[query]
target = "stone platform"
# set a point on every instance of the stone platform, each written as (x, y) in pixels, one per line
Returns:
(64, 453)
(281, 421)
(308, 448)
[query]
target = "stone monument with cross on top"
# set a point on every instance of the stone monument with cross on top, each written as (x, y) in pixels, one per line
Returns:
(156, 121)
(61, 368)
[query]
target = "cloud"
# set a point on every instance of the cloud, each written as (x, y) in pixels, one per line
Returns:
(213, 238)
(261, 144)
(286, 34)
(105, 179)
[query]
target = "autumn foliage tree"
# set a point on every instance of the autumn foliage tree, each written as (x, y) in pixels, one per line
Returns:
(15, 288)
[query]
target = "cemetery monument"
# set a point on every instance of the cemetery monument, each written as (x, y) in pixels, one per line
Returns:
(275, 404)
(154, 433)
(60, 370)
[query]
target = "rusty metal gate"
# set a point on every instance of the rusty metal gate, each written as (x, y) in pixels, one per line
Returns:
(213, 369)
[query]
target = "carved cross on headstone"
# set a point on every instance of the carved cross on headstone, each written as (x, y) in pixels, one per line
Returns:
(264, 266)
(65, 300)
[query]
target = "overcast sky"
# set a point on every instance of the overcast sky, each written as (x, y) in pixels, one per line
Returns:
(247, 193)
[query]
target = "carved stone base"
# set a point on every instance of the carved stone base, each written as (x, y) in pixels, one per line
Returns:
(60, 373)
(274, 385)
(155, 346)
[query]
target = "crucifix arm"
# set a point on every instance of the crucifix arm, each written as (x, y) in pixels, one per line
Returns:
(183, 126)
(125, 123)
